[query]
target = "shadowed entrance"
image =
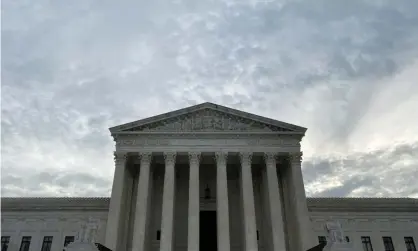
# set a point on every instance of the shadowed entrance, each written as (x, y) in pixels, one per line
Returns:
(208, 231)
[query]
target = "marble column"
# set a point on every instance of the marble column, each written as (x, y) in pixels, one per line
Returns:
(247, 191)
(143, 203)
(274, 202)
(115, 220)
(304, 232)
(194, 203)
(222, 202)
(167, 219)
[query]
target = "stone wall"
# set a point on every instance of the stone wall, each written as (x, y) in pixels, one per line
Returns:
(57, 224)
(60, 217)
(374, 224)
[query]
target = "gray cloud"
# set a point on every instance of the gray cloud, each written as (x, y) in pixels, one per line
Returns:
(389, 172)
(54, 183)
(345, 70)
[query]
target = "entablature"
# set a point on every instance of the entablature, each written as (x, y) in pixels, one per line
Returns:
(208, 142)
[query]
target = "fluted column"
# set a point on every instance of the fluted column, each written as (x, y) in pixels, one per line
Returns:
(274, 202)
(304, 231)
(222, 202)
(247, 190)
(115, 220)
(194, 202)
(167, 224)
(143, 202)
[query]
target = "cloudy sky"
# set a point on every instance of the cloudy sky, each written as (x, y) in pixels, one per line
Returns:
(346, 70)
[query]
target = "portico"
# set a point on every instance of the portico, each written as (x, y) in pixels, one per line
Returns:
(172, 167)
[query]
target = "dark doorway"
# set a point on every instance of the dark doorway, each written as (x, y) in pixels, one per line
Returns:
(208, 231)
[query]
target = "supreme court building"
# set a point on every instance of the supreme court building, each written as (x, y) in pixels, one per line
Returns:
(207, 178)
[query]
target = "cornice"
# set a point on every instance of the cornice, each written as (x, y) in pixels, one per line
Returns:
(30, 204)
(213, 133)
(54, 204)
(362, 204)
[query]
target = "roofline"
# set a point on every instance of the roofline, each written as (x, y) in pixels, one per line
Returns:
(362, 204)
(321, 204)
(54, 204)
(193, 108)
(204, 132)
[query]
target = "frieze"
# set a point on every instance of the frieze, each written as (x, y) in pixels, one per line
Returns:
(364, 223)
(206, 142)
(351, 222)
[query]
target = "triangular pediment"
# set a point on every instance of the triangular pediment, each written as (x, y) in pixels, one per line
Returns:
(207, 117)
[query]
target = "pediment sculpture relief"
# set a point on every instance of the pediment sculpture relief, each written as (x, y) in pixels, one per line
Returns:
(208, 120)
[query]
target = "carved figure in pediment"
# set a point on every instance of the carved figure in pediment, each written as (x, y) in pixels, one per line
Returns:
(208, 120)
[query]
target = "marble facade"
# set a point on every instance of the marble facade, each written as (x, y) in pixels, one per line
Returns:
(64, 217)
(250, 148)
(172, 168)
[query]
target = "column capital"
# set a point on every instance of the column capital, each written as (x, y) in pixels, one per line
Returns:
(245, 157)
(120, 157)
(270, 157)
(145, 157)
(221, 157)
(295, 157)
(194, 157)
(170, 157)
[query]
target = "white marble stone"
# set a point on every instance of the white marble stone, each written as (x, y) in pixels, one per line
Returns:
(359, 217)
(114, 231)
(247, 190)
(194, 202)
(143, 201)
(81, 246)
(222, 201)
(167, 224)
(336, 238)
(303, 225)
(85, 238)
(162, 201)
(274, 202)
